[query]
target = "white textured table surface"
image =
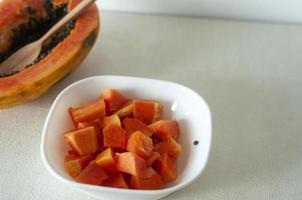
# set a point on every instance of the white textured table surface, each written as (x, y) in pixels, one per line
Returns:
(249, 73)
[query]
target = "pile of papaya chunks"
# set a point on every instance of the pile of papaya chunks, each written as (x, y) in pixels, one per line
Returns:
(122, 143)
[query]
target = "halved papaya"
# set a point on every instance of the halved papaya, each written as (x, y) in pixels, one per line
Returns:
(23, 21)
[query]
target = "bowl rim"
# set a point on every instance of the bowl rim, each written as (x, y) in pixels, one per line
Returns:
(103, 188)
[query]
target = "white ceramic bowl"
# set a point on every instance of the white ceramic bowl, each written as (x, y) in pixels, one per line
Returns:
(180, 103)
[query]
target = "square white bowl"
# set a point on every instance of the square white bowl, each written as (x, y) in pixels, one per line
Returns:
(180, 103)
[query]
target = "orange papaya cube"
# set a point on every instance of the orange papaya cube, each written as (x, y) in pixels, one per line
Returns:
(114, 99)
(89, 112)
(84, 124)
(98, 129)
(147, 111)
(70, 157)
(169, 146)
(132, 125)
(166, 167)
(72, 151)
(75, 164)
(131, 163)
(106, 159)
(154, 182)
(140, 144)
(126, 110)
(96, 123)
(114, 136)
(83, 141)
(92, 174)
(164, 129)
(113, 119)
(154, 156)
(116, 180)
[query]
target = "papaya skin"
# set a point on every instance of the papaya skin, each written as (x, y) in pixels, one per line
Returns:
(34, 81)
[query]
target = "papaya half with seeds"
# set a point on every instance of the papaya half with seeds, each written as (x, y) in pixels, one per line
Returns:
(24, 21)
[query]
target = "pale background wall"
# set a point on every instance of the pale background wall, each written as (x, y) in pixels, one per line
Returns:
(263, 10)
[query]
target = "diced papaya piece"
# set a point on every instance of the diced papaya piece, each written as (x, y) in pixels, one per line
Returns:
(140, 144)
(164, 129)
(75, 164)
(89, 112)
(116, 180)
(71, 157)
(166, 167)
(169, 146)
(84, 124)
(126, 110)
(131, 163)
(72, 151)
(113, 119)
(114, 136)
(84, 140)
(98, 129)
(113, 99)
(92, 174)
(154, 156)
(132, 125)
(97, 123)
(147, 111)
(106, 159)
(154, 182)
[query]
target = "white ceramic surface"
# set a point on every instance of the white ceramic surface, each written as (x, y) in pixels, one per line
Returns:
(179, 102)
